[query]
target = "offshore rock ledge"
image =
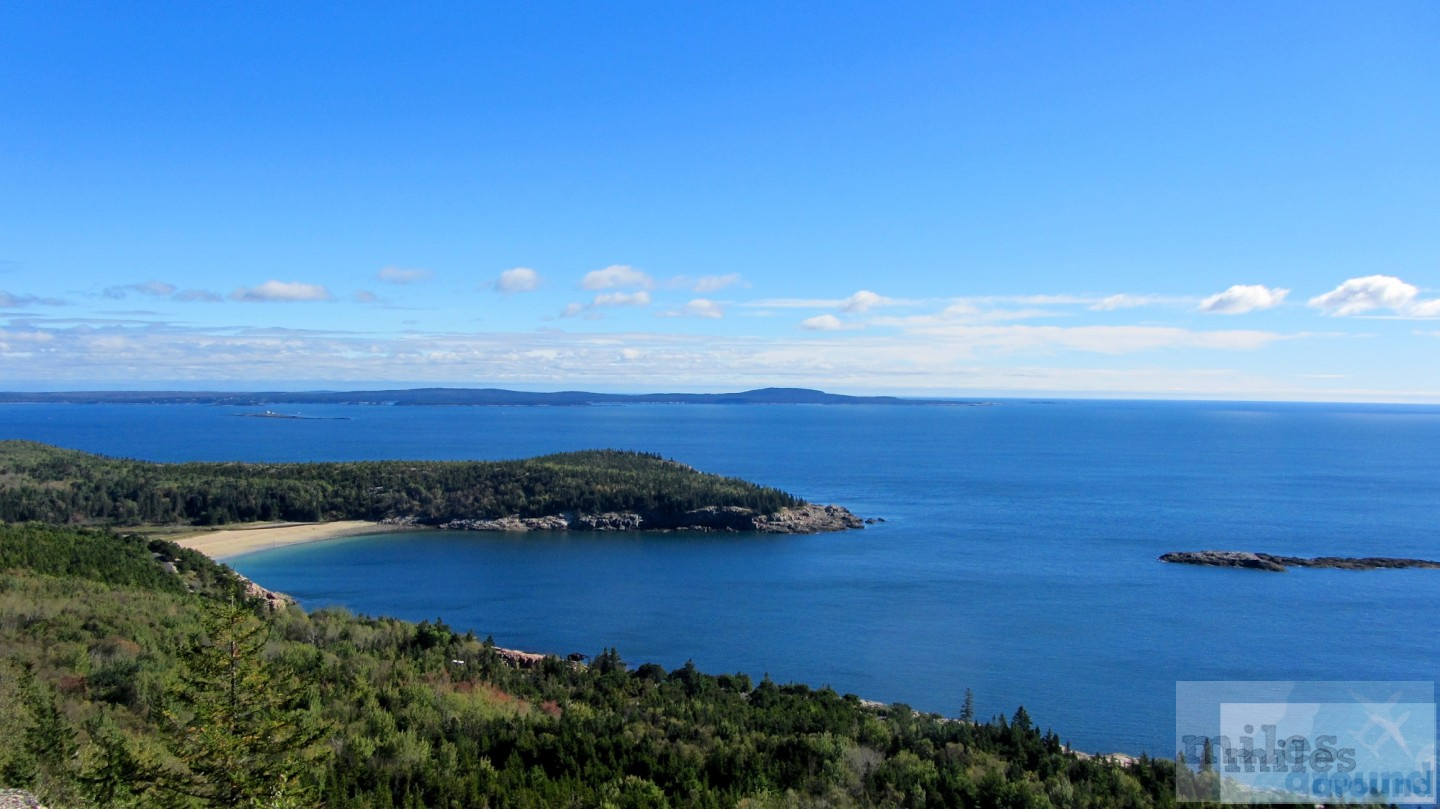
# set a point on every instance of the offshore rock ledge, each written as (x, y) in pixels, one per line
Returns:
(807, 519)
(1279, 564)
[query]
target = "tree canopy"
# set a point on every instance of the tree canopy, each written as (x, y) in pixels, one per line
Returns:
(58, 486)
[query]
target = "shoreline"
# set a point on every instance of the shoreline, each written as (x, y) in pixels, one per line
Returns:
(228, 543)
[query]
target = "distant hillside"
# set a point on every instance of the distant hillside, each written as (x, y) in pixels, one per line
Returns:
(458, 397)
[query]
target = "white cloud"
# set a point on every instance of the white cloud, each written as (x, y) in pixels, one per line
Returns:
(1053, 300)
(1095, 303)
(961, 311)
(161, 289)
(1243, 298)
(864, 301)
(715, 283)
(197, 296)
(795, 303)
(365, 296)
(616, 276)
(1122, 301)
(155, 289)
(1430, 308)
(955, 361)
(282, 291)
(700, 307)
(1115, 340)
(517, 279)
(860, 302)
(9, 336)
(822, 323)
(401, 275)
(606, 300)
(1360, 295)
(641, 298)
(9, 301)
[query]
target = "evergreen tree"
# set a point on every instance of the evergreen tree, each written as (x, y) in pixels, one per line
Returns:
(115, 777)
(49, 739)
(241, 723)
(967, 711)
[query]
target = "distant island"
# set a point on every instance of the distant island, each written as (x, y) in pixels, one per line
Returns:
(270, 414)
(595, 490)
(1279, 564)
(463, 397)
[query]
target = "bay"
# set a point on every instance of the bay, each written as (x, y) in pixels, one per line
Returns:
(1017, 556)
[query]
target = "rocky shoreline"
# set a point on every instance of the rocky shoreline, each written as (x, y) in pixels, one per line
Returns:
(1279, 564)
(807, 519)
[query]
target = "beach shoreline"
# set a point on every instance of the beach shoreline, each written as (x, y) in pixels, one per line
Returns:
(228, 543)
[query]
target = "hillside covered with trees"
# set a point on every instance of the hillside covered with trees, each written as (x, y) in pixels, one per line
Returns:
(124, 683)
(58, 486)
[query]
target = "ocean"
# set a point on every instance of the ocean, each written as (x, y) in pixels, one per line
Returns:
(1017, 556)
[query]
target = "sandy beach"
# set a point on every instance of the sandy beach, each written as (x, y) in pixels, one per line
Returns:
(231, 542)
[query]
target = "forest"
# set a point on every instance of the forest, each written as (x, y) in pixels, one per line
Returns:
(134, 673)
(59, 486)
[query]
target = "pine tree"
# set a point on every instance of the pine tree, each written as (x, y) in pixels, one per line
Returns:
(49, 739)
(240, 721)
(115, 777)
(967, 711)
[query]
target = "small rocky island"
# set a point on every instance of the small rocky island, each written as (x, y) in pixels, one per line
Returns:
(270, 414)
(1279, 564)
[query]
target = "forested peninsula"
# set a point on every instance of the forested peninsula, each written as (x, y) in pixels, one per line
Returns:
(590, 490)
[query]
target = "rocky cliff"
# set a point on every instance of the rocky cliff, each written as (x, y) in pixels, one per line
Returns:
(274, 600)
(807, 519)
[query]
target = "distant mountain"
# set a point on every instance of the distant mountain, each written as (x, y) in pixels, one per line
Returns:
(460, 397)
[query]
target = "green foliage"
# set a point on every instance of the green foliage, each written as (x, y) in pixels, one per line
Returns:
(229, 708)
(94, 555)
(240, 722)
(58, 486)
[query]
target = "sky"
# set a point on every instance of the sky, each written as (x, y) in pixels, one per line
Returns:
(1093, 199)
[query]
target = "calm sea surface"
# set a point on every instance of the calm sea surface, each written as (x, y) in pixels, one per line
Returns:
(1018, 556)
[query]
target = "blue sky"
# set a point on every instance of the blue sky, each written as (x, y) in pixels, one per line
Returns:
(1185, 200)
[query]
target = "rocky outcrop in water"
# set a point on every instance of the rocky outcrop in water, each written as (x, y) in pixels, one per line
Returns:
(1279, 564)
(807, 519)
(555, 523)
(609, 521)
(275, 601)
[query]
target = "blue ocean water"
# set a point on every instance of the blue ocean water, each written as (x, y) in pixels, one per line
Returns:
(1017, 556)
